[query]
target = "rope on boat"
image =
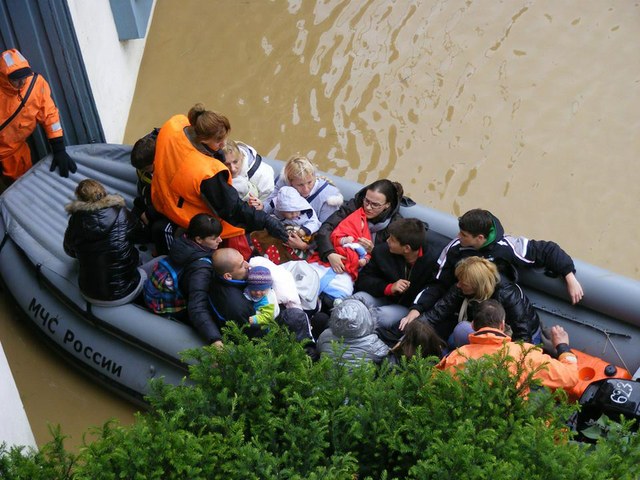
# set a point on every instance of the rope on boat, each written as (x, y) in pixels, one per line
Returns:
(607, 333)
(616, 350)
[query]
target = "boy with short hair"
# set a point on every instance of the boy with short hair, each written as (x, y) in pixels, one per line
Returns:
(482, 235)
(152, 225)
(399, 269)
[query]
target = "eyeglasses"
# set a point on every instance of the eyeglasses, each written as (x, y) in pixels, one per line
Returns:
(372, 205)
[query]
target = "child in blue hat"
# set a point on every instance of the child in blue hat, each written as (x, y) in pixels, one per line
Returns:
(259, 291)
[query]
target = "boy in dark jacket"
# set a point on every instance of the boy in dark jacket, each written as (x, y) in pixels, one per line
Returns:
(192, 253)
(398, 271)
(152, 225)
(482, 235)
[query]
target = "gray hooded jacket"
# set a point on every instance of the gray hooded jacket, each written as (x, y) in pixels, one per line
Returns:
(352, 327)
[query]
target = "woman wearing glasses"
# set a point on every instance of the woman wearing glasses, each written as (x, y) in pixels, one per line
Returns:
(380, 204)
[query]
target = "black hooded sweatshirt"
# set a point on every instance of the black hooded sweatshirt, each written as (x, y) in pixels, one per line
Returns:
(194, 281)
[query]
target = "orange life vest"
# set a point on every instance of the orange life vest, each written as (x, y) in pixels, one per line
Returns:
(179, 169)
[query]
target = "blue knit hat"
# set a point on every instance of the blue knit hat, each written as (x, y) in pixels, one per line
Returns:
(259, 278)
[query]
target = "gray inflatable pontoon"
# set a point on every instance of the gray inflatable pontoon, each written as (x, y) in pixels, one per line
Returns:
(126, 346)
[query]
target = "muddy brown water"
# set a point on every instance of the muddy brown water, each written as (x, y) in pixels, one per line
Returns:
(51, 390)
(526, 108)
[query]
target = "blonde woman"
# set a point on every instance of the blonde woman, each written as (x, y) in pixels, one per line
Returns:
(478, 280)
(299, 173)
(252, 177)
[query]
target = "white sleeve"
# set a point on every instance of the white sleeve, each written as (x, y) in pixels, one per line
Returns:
(264, 180)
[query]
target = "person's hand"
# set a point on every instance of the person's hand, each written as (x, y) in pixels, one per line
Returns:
(345, 240)
(255, 202)
(366, 243)
(276, 228)
(61, 159)
(336, 262)
(296, 242)
(410, 317)
(400, 286)
(559, 335)
(218, 344)
(574, 288)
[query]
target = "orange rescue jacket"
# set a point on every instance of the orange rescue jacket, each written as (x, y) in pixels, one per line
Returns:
(179, 169)
(561, 373)
(39, 108)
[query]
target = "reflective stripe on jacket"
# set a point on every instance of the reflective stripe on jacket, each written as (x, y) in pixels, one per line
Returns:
(39, 108)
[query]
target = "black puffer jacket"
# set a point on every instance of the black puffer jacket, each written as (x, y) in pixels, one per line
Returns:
(99, 236)
(194, 279)
(323, 237)
(521, 316)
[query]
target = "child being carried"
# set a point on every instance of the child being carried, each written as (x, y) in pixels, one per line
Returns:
(301, 222)
(259, 290)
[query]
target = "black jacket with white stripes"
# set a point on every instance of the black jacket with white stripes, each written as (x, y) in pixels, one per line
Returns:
(507, 252)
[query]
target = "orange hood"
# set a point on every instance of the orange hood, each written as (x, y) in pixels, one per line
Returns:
(10, 61)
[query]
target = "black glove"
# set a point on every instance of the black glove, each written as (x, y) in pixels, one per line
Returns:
(276, 228)
(61, 158)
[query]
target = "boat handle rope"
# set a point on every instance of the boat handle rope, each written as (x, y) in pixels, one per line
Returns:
(604, 331)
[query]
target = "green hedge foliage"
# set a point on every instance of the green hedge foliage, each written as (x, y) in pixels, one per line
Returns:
(263, 410)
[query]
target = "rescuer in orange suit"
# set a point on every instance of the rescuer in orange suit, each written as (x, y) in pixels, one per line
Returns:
(25, 101)
(489, 339)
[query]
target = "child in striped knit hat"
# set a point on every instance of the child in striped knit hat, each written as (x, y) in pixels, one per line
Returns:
(259, 291)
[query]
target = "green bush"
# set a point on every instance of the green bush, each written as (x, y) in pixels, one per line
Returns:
(262, 409)
(52, 461)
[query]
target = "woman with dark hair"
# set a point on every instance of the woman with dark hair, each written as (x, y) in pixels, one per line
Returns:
(419, 337)
(345, 240)
(191, 253)
(189, 178)
(380, 202)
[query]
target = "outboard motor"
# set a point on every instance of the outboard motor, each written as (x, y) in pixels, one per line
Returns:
(611, 397)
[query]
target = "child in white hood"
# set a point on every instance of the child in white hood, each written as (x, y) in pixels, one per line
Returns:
(252, 177)
(293, 210)
(300, 220)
